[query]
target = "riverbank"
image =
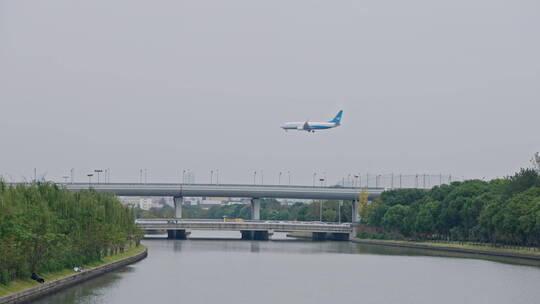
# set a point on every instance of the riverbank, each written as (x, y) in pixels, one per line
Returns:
(448, 247)
(25, 290)
(451, 247)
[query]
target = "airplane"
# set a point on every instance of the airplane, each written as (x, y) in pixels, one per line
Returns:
(311, 126)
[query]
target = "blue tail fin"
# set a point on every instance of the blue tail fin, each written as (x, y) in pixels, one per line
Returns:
(337, 119)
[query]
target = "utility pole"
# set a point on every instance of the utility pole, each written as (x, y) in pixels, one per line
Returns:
(367, 180)
(71, 172)
(400, 175)
(279, 178)
(289, 172)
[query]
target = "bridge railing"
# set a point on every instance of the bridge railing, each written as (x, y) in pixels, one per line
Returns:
(175, 221)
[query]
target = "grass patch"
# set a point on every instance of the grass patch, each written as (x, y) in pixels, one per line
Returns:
(22, 284)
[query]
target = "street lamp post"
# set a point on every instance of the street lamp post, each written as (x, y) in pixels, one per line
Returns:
(211, 176)
(367, 180)
(89, 179)
(254, 177)
(98, 171)
(289, 172)
(279, 178)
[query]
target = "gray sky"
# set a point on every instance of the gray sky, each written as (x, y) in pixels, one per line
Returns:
(426, 86)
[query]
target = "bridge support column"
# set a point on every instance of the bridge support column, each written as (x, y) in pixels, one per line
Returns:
(178, 200)
(177, 234)
(355, 216)
(257, 235)
(255, 209)
(319, 236)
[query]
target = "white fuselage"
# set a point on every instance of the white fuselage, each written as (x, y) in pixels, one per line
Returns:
(309, 126)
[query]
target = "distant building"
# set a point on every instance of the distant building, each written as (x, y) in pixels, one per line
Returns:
(129, 200)
(145, 203)
(205, 204)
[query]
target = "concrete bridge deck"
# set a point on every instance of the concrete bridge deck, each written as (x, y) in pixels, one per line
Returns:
(180, 228)
(227, 190)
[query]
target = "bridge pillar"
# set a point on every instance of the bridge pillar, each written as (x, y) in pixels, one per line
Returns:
(258, 235)
(177, 234)
(247, 235)
(318, 236)
(255, 209)
(355, 216)
(178, 200)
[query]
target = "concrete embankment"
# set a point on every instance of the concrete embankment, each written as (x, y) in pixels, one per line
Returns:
(27, 295)
(495, 253)
(450, 249)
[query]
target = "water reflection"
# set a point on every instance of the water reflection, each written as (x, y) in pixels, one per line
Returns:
(286, 271)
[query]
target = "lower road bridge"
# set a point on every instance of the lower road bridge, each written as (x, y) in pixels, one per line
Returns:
(251, 230)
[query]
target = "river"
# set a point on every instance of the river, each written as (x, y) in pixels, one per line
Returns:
(284, 270)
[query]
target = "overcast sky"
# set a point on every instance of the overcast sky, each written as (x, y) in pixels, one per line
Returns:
(426, 87)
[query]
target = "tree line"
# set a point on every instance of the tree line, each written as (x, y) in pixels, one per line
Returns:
(271, 209)
(46, 228)
(501, 211)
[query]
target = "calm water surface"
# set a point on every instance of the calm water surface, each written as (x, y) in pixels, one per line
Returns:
(289, 271)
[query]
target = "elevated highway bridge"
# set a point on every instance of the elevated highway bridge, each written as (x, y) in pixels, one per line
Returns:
(255, 192)
(179, 228)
